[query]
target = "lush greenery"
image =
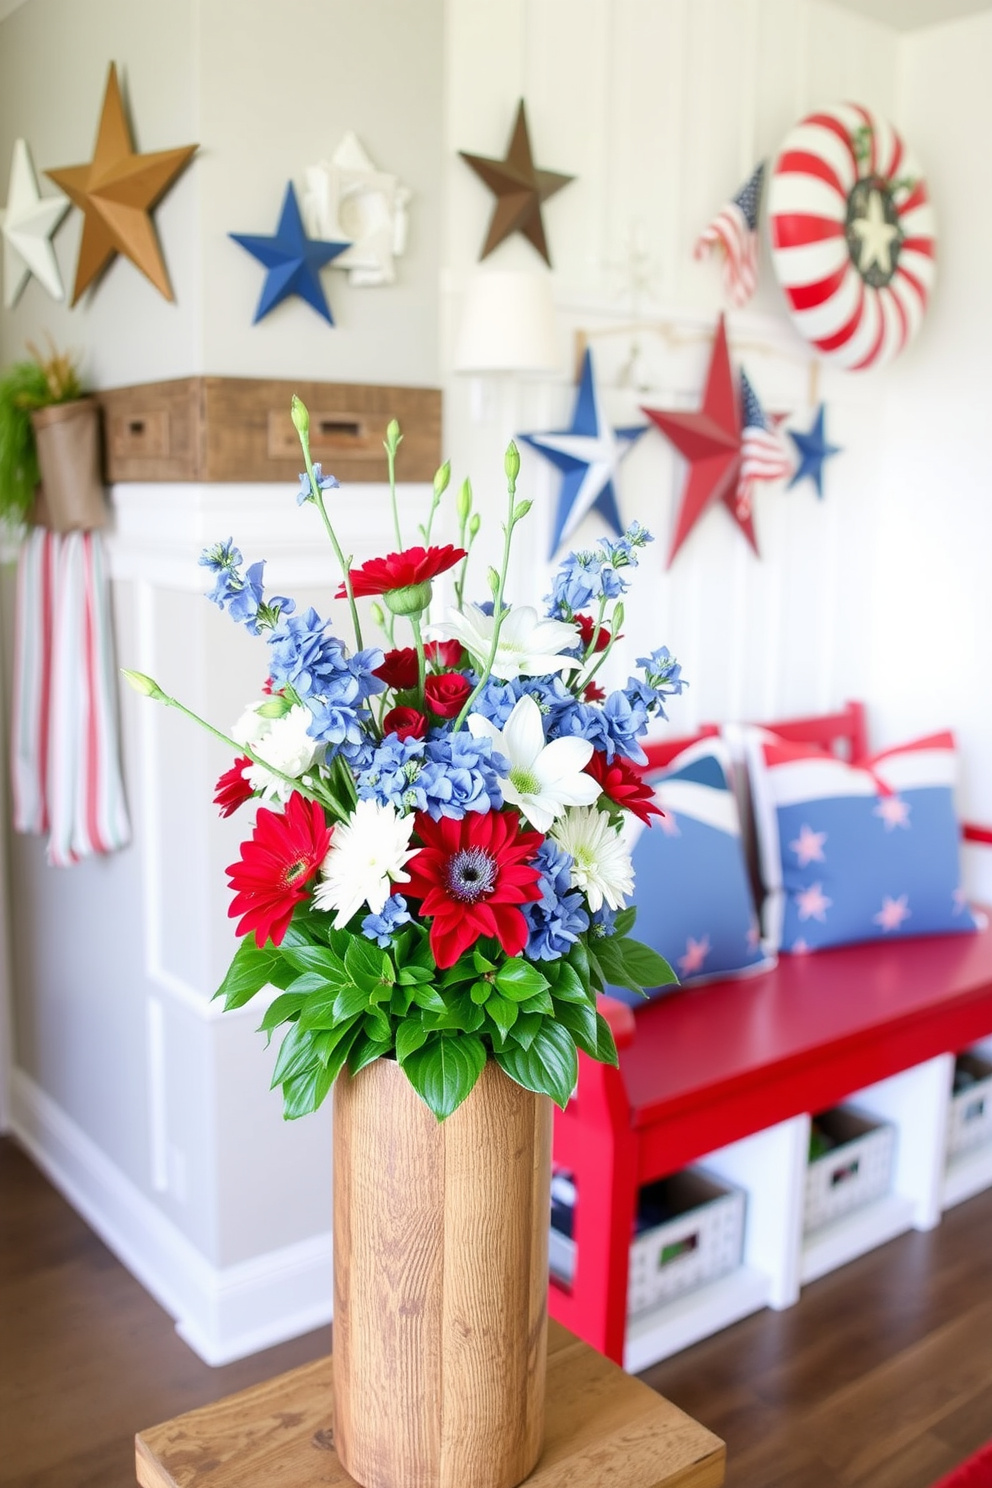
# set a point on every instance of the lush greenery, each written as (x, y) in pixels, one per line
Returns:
(25, 387)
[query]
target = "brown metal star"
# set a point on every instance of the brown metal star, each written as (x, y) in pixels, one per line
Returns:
(519, 188)
(116, 193)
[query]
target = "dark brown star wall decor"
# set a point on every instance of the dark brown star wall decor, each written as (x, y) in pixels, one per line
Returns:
(520, 189)
(116, 192)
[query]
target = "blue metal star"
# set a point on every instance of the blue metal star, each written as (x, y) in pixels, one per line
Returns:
(588, 455)
(292, 259)
(813, 451)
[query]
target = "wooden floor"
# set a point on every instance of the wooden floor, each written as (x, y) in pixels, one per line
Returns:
(881, 1377)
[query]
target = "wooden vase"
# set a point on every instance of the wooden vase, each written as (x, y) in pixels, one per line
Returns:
(440, 1282)
(68, 439)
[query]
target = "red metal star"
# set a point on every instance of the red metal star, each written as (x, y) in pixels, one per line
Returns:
(711, 442)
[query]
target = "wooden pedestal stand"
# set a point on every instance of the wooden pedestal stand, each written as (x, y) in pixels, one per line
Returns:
(602, 1427)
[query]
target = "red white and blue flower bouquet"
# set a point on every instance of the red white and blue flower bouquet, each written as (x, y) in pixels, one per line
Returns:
(436, 887)
(437, 870)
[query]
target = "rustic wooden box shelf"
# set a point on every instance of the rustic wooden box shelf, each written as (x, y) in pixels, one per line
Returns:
(239, 429)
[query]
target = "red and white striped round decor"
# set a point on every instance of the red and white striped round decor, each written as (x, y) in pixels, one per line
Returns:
(853, 235)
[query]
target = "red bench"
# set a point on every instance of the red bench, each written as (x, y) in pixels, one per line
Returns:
(703, 1068)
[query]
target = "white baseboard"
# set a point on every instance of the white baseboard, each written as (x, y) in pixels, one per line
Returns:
(223, 1313)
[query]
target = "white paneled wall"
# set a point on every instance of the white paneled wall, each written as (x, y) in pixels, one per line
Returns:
(661, 108)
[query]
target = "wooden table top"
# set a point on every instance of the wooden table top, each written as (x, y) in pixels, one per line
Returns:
(602, 1428)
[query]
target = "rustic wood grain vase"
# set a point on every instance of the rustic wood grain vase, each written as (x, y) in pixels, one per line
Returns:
(440, 1282)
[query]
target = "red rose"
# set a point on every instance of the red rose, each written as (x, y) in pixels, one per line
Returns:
(445, 653)
(405, 723)
(447, 693)
(399, 669)
(587, 629)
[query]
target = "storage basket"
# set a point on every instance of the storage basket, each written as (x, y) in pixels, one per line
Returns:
(970, 1122)
(689, 1230)
(850, 1165)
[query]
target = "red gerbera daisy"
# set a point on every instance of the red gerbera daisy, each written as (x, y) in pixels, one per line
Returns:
(402, 570)
(284, 853)
(621, 782)
(472, 876)
(232, 789)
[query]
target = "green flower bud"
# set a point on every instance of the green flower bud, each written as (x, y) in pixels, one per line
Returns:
(511, 462)
(393, 438)
(441, 479)
(493, 578)
(616, 619)
(145, 685)
(413, 600)
(274, 707)
(521, 509)
(474, 525)
(378, 615)
(300, 416)
(464, 503)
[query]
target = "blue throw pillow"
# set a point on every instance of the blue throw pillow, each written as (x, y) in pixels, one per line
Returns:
(694, 901)
(857, 852)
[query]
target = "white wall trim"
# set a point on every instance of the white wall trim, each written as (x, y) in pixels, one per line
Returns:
(223, 1313)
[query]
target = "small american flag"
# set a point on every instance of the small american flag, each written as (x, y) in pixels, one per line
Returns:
(764, 456)
(735, 227)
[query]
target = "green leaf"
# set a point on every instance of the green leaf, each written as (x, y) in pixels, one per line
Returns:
(550, 1066)
(350, 1000)
(296, 1052)
(624, 922)
(365, 1051)
(645, 966)
(526, 1028)
(580, 1020)
(480, 991)
(313, 981)
(606, 1049)
(367, 965)
(519, 979)
(429, 998)
(281, 1010)
(411, 976)
(320, 960)
(569, 986)
(250, 970)
(410, 1036)
(376, 1025)
(578, 959)
(541, 1003)
(480, 962)
(471, 1015)
(328, 1040)
(503, 1012)
(444, 1071)
(305, 1091)
(399, 1003)
(597, 978)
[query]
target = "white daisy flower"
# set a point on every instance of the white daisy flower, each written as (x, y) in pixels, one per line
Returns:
(366, 858)
(528, 645)
(282, 742)
(601, 865)
(544, 778)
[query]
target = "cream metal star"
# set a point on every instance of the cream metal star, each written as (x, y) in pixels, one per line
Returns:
(876, 235)
(347, 197)
(27, 225)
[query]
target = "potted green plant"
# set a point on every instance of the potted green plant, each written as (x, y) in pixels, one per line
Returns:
(49, 446)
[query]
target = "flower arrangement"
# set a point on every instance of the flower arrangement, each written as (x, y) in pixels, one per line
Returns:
(437, 870)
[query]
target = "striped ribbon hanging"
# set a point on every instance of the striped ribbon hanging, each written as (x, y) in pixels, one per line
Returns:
(66, 769)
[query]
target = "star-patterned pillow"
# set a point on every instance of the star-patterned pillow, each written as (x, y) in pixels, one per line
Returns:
(857, 852)
(694, 901)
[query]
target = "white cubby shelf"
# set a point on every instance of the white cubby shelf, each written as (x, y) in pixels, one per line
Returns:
(778, 1258)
